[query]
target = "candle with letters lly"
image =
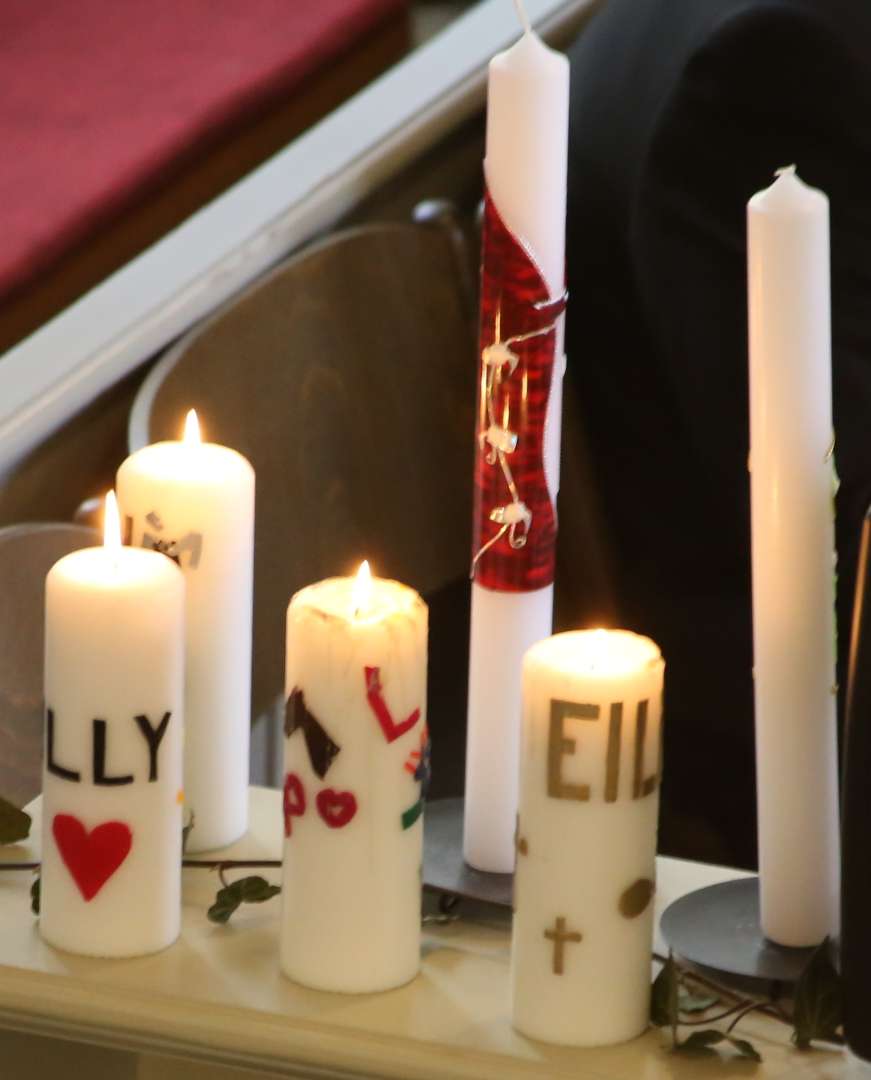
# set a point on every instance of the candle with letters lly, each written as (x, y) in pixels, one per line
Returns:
(356, 773)
(194, 502)
(111, 794)
(586, 837)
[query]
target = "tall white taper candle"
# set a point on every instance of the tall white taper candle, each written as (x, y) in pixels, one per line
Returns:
(793, 560)
(525, 169)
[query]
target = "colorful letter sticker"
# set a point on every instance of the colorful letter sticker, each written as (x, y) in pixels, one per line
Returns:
(375, 695)
(321, 748)
(420, 761)
(294, 801)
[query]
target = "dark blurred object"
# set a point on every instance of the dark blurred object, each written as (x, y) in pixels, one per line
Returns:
(856, 823)
(27, 553)
(680, 112)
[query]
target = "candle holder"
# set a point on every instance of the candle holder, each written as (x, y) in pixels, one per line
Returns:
(719, 928)
(444, 870)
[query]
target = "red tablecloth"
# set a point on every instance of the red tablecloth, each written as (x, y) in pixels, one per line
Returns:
(100, 98)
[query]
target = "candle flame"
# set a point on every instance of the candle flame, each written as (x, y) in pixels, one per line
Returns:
(192, 428)
(361, 594)
(111, 523)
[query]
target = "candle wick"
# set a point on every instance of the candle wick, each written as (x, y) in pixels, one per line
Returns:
(524, 18)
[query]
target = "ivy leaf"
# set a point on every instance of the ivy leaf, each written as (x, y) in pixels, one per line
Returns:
(34, 895)
(819, 1009)
(702, 1043)
(14, 823)
(664, 995)
(249, 890)
(695, 1003)
(745, 1048)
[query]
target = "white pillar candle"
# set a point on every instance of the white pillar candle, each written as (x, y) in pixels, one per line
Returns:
(586, 837)
(793, 560)
(356, 767)
(194, 502)
(525, 170)
(112, 775)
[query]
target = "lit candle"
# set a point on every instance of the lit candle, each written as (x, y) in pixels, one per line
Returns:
(356, 770)
(519, 414)
(112, 775)
(194, 502)
(793, 561)
(586, 837)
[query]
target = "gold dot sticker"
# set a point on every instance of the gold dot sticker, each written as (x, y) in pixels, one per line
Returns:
(179, 798)
(634, 900)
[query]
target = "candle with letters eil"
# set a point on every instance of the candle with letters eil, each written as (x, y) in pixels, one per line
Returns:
(518, 424)
(112, 775)
(792, 504)
(356, 771)
(194, 502)
(586, 837)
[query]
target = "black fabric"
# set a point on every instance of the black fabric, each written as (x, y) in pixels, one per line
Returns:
(681, 110)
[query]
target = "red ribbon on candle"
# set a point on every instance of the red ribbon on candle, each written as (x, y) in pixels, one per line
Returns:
(514, 524)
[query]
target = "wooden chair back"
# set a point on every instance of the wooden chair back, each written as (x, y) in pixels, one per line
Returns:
(347, 378)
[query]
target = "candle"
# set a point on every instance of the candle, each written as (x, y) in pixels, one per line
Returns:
(519, 413)
(194, 502)
(793, 563)
(586, 837)
(112, 775)
(356, 768)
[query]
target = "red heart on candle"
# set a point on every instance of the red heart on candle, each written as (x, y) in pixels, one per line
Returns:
(336, 807)
(91, 857)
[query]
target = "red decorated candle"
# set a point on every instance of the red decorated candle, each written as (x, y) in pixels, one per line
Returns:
(518, 430)
(356, 772)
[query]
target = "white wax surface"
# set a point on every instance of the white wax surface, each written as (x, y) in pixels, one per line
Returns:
(527, 149)
(793, 567)
(576, 858)
(525, 168)
(351, 902)
(203, 494)
(114, 650)
(504, 626)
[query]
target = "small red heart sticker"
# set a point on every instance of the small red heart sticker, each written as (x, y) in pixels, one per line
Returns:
(336, 807)
(91, 857)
